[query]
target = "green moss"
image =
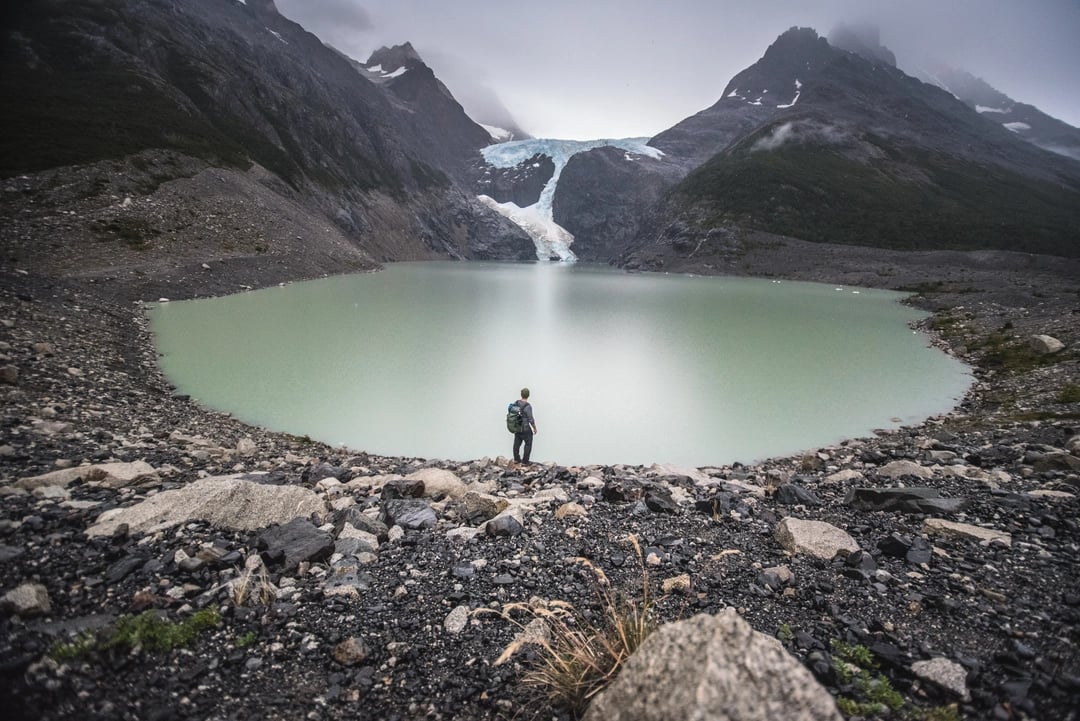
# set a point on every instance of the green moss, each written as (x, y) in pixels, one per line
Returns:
(83, 644)
(245, 640)
(1070, 394)
(785, 633)
(151, 632)
(943, 713)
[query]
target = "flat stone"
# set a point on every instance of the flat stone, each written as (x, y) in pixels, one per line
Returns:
(901, 469)
(1046, 493)
(713, 668)
(121, 475)
(791, 494)
(62, 478)
(905, 500)
(942, 672)
(231, 502)
(951, 529)
(696, 475)
(814, 538)
(848, 474)
(570, 510)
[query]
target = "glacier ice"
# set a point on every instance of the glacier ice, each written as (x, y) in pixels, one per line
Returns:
(551, 239)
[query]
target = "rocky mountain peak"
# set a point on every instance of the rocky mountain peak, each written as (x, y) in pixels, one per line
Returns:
(393, 58)
(266, 6)
(795, 53)
(863, 40)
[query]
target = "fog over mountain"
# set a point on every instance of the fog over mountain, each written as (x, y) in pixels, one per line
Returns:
(613, 68)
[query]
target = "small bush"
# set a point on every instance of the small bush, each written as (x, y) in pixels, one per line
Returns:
(1070, 394)
(577, 657)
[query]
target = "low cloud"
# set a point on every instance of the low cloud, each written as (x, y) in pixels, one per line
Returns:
(802, 131)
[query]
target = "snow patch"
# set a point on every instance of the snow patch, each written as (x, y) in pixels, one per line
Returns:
(397, 73)
(276, 34)
(734, 93)
(1017, 126)
(376, 68)
(798, 92)
(985, 109)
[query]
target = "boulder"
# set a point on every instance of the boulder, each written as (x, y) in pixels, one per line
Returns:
(1045, 344)
(696, 475)
(791, 494)
(951, 529)
(234, 502)
(246, 447)
(848, 474)
(900, 469)
(814, 538)
(121, 475)
(9, 375)
(713, 668)
(439, 483)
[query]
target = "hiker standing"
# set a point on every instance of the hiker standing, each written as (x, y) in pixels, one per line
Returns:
(528, 429)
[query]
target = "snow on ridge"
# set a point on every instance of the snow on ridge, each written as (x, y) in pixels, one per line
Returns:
(376, 68)
(397, 73)
(499, 135)
(734, 93)
(537, 219)
(798, 92)
(1017, 126)
(985, 109)
(276, 34)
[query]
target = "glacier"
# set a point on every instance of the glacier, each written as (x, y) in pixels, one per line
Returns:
(550, 238)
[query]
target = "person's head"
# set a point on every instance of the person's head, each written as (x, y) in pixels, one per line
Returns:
(524, 393)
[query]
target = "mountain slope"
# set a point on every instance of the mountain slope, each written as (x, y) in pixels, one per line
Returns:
(870, 156)
(235, 85)
(1027, 121)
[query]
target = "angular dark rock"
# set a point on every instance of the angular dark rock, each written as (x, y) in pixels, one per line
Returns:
(659, 500)
(361, 522)
(503, 526)
(403, 488)
(296, 541)
(790, 494)
(411, 513)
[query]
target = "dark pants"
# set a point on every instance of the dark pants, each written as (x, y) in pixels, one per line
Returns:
(519, 438)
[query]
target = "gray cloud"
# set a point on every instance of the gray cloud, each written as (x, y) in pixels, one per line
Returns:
(611, 68)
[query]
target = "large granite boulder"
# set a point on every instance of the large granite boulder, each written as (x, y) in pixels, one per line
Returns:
(713, 668)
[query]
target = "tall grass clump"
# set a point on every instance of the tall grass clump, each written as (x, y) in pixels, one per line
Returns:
(577, 652)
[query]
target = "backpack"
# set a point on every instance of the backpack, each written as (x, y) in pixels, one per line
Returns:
(515, 419)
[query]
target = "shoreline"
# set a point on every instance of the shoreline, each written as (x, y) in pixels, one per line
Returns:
(96, 396)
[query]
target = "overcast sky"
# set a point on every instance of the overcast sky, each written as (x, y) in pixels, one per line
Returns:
(584, 69)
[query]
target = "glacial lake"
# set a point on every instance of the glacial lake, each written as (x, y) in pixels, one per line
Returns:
(421, 359)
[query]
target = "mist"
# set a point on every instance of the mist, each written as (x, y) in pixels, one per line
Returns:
(629, 68)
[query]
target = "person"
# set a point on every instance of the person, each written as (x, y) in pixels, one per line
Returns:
(524, 436)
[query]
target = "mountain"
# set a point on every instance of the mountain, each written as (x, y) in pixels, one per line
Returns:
(234, 85)
(1027, 121)
(824, 144)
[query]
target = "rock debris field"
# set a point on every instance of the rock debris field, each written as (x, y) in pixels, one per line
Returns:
(162, 561)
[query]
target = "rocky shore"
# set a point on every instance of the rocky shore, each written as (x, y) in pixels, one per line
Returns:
(293, 580)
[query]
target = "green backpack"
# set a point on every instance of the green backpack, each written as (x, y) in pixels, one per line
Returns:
(515, 419)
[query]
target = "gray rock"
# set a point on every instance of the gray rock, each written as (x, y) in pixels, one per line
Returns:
(232, 502)
(121, 475)
(9, 375)
(28, 599)
(1045, 344)
(791, 494)
(478, 508)
(505, 526)
(905, 500)
(296, 541)
(814, 538)
(246, 447)
(1056, 461)
(942, 672)
(713, 668)
(361, 522)
(10, 553)
(408, 513)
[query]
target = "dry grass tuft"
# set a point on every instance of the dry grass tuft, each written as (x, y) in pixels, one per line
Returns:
(252, 585)
(577, 657)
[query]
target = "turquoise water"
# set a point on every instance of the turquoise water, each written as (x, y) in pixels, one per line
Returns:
(421, 359)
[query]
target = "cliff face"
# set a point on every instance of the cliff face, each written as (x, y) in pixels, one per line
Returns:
(237, 86)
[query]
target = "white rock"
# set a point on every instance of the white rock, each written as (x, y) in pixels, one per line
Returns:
(456, 620)
(944, 673)
(439, 482)
(28, 599)
(246, 447)
(1045, 344)
(670, 469)
(848, 474)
